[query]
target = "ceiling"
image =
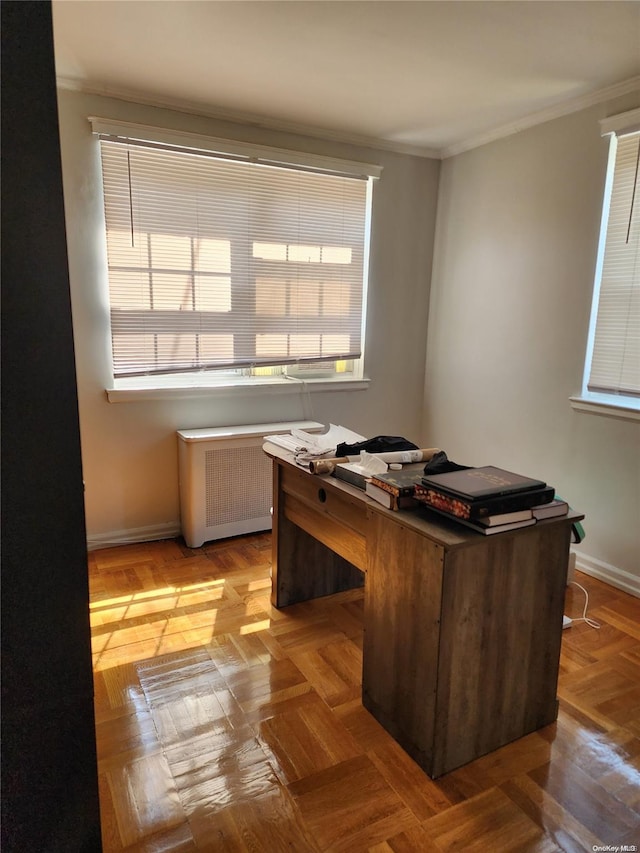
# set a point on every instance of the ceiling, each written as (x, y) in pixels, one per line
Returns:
(423, 76)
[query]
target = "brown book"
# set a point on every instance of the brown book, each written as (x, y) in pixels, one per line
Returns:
(400, 483)
(389, 500)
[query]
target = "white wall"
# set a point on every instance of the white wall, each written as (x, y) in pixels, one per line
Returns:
(516, 239)
(129, 450)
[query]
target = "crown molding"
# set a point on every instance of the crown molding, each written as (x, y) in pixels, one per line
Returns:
(573, 105)
(254, 120)
(251, 119)
(621, 124)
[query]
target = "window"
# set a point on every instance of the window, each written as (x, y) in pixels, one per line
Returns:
(226, 259)
(612, 371)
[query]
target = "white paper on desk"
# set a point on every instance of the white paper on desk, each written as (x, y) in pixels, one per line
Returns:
(366, 465)
(325, 443)
(288, 442)
(371, 464)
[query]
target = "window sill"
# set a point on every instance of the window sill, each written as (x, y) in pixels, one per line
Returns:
(133, 391)
(627, 409)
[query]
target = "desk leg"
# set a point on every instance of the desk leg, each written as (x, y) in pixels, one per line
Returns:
(303, 568)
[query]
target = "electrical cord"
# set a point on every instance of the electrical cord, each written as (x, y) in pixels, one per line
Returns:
(584, 618)
(306, 397)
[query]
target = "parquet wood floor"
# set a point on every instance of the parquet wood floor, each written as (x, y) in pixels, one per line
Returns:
(225, 725)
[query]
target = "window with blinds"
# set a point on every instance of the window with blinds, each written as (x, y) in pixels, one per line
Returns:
(614, 366)
(231, 260)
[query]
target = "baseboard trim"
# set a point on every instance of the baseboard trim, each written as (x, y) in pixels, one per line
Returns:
(608, 573)
(133, 536)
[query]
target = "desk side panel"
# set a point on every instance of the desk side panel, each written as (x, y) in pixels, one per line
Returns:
(402, 627)
(303, 567)
(500, 642)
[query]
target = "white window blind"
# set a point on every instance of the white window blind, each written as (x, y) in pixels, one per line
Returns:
(218, 263)
(615, 357)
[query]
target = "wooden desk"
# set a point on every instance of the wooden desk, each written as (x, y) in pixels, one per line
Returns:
(462, 631)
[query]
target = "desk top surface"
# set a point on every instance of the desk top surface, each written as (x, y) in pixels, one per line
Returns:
(450, 534)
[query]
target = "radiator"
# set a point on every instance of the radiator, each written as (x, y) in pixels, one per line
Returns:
(225, 480)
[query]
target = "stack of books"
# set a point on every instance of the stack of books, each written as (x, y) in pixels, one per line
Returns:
(395, 489)
(489, 499)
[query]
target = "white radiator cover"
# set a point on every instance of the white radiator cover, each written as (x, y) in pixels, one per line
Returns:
(225, 479)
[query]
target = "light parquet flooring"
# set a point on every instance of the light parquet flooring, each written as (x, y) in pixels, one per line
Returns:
(226, 725)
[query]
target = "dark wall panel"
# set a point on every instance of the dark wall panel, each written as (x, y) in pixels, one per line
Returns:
(49, 777)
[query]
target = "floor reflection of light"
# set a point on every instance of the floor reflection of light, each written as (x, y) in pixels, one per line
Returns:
(144, 603)
(614, 760)
(254, 627)
(160, 617)
(142, 595)
(259, 585)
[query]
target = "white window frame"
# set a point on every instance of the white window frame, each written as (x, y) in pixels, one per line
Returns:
(280, 379)
(603, 403)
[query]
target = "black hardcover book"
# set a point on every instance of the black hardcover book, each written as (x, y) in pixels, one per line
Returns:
(350, 472)
(480, 483)
(461, 508)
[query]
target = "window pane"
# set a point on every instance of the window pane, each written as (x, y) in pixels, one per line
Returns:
(130, 289)
(336, 299)
(332, 344)
(212, 255)
(216, 347)
(271, 296)
(305, 299)
(172, 292)
(270, 345)
(169, 251)
(127, 249)
(213, 293)
(336, 255)
(270, 251)
(305, 346)
(304, 254)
